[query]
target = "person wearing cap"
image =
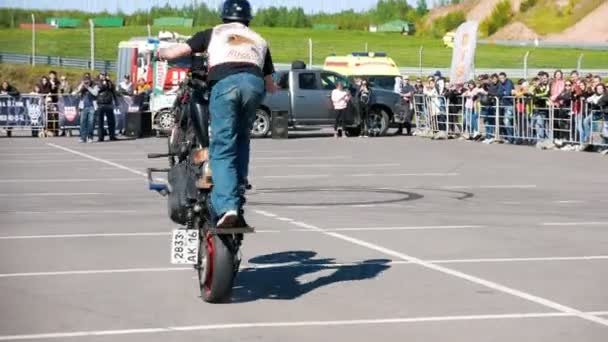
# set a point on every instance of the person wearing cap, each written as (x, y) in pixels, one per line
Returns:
(440, 84)
(87, 90)
(407, 97)
(364, 99)
(106, 101)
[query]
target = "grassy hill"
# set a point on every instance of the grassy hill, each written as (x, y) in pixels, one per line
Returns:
(24, 77)
(548, 17)
(289, 44)
(541, 17)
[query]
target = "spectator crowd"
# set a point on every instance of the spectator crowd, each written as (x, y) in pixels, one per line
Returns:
(492, 108)
(547, 109)
(97, 101)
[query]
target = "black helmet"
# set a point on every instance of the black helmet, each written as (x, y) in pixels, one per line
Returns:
(236, 10)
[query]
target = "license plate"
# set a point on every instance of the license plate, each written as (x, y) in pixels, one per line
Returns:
(184, 247)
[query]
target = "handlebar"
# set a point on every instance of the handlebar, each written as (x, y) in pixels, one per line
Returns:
(160, 155)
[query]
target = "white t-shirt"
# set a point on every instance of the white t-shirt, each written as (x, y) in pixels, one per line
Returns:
(236, 43)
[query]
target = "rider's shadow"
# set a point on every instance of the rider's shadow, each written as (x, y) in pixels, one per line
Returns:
(289, 275)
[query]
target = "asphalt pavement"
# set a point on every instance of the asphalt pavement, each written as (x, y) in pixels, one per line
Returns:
(393, 239)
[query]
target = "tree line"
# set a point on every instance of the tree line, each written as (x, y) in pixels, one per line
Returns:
(385, 10)
(203, 15)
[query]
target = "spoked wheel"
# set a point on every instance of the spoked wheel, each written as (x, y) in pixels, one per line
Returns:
(165, 120)
(217, 270)
(378, 122)
(261, 125)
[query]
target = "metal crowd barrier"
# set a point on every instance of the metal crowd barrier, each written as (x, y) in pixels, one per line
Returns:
(47, 115)
(522, 120)
(23, 112)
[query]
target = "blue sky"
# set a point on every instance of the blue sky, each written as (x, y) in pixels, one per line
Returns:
(131, 5)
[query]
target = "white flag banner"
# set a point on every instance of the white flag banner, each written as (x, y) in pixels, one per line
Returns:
(463, 56)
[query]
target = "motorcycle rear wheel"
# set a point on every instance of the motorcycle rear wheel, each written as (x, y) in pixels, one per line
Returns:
(216, 268)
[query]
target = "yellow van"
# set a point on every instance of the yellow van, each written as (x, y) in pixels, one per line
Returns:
(379, 69)
(448, 39)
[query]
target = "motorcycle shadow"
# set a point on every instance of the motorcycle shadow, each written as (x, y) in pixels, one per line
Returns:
(289, 275)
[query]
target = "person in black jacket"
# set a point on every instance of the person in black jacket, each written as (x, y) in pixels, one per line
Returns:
(455, 105)
(563, 111)
(363, 96)
(490, 103)
(7, 89)
(105, 107)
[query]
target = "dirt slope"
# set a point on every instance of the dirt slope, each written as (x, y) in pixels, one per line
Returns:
(592, 29)
(439, 12)
(484, 8)
(515, 31)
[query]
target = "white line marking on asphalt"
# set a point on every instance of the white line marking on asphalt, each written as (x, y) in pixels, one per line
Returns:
(48, 154)
(319, 207)
(570, 202)
(303, 158)
(456, 187)
(253, 267)
(528, 186)
(258, 325)
(438, 261)
(89, 272)
(278, 151)
(97, 235)
(265, 213)
(364, 175)
(326, 166)
(293, 177)
(53, 194)
(506, 260)
(355, 229)
(107, 162)
(45, 161)
(404, 175)
(477, 280)
(284, 219)
(69, 180)
(74, 236)
(569, 224)
(68, 212)
(108, 168)
(24, 148)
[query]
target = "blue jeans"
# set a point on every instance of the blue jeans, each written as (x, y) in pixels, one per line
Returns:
(471, 121)
(489, 120)
(578, 121)
(234, 101)
(508, 122)
(539, 124)
(588, 123)
(87, 123)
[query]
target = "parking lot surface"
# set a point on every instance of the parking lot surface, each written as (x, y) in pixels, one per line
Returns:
(395, 239)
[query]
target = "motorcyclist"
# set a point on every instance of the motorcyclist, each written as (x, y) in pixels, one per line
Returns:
(240, 74)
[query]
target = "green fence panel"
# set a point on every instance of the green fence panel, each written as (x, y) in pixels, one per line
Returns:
(109, 22)
(173, 21)
(325, 26)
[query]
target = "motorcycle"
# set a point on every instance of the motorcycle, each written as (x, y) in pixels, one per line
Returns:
(214, 253)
